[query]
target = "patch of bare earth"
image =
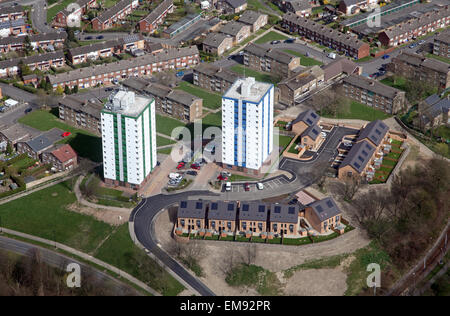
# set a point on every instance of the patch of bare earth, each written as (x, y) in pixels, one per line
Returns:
(275, 258)
(108, 216)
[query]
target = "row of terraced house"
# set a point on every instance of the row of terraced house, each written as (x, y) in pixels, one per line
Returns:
(168, 59)
(229, 218)
(43, 41)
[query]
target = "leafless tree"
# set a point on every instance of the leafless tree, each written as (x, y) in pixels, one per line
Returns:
(350, 187)
(249, 254)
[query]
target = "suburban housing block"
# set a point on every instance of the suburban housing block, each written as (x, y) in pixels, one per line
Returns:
(256, 20)
(114, 14)
(80, 113)
(217, 43)
(214, 78)
(441, 45)
(80, 7)
(42, 62)
(9, 13)
(155, 18)
(43, 40)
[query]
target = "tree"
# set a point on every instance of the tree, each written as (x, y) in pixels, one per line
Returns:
(67, 90)
(24, 69)
(9, 149)
(59, 90)
(27, 45)
(350, 186)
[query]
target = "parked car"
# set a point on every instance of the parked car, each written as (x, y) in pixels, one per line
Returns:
(88, 38)
(100, 37)
(290, 40)
(222, 178)
(175, 176)
(226, 174)
(247, 186)
(180, 165)
(386, 56)
(332, 55)
(260, 186)
(195, 166)
(421, 42)
(275, 42)
(180, 74)
(28, 110)
(228, 186)
(192, 173)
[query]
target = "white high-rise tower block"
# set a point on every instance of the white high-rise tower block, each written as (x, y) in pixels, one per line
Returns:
(247, 124)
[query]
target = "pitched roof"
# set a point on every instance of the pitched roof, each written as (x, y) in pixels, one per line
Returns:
(253, 211)
(374, 131)
(84, 106)
(32, 59)
(372, 85)
(250, 17)
(11, 9)
(309, 117)
(235, 3)
(158, 11)
(45, 140)
(215, 39)
(312, 132)
(304, 77)
(221, 210)
(12, 23)
(325, 208)
(216, 71)
(15, 133)
(64, 153)
(339, 66)
(112, 11)
(300, 5)
(358, 156)
(443, 37)
(436, 106)
(233, 28)
(284, 213)
(420, 61)
(192, 209)
(261, 51)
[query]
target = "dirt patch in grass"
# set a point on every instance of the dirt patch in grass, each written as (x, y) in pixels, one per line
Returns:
(107, 216)
(323, 282)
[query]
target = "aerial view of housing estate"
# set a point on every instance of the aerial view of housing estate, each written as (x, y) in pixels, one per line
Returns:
(224, 148)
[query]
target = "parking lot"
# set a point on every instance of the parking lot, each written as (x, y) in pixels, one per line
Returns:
(271, 184)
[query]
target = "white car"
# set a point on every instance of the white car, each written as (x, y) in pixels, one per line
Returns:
(228, 186)
(260, 186)
(175, 176)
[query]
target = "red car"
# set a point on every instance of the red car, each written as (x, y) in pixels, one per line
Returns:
(222, 178)
(65, 134)
(195, 166)
(247, 187)
(180, 165)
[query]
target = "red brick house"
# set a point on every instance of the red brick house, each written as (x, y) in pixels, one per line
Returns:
(62, 158)
(151, 22)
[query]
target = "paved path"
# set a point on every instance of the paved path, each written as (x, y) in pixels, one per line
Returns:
(84, 256)
(59, 261)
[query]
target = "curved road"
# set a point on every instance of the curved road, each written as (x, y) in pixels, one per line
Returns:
(144, 214)
(58, 260)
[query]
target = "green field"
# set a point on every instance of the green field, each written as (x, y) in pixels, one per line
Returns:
(395, 82)
(213, 119)
(84, 143)
(44, 214)
(259, 76)
(120, 251)
(271, 36)
(162, 141)
(210, 100)
(165, 125)
(441, 58)
(51, 12)
(361, 112)
(304, 61)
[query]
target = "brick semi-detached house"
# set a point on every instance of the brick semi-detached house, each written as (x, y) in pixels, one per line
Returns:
(416, 67)
(257, 219)
(441, 45)
(82, 114)
(114, 14)
(41, 62)
(43, 40)
(269, 60)
(169, 59)
(217, 43)
(326, 36)
(9, 13)
(95, 51)
(374, 94)
(214, 78)
(151, 22)
(79, 7)
(256, 20)
(175, 103)
(366, 155)
(61, 157)
(415, 27)
(237, 30)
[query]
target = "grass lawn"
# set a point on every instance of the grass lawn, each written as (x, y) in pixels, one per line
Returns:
(51, 12)
(264, 281)
(237, 177)
(323, 263)
(24, 163)
(210, 100)
(120, 251)
(304, 61)
(441, 58)
(84, 143)
(283, 140)
(165, 125)
(213, 119)
(164, 151)
(271, 36)
(259, 75)
(362, 112)
(44, 214)
(398, 83)
(162, 141)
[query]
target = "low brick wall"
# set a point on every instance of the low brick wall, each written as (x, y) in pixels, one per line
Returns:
(32, 184)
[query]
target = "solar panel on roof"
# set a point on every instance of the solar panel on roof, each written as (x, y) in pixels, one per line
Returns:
(261, 208)
(183, 204)
(368, 147)
(313, 115)
(378, 131)
(319, 208)
(357, 165)
(329, 204)
(277, 209)
(214, 206)
(291, 210)
(308, 121)
(198, 205)
(230, 206)
(360, 158)
(245, 207)
(315, 132)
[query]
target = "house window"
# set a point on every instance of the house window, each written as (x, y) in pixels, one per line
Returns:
(260, 226)
(275, 227)
(182, 223)
(198, 223)
(291, 228)
(244, 225)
